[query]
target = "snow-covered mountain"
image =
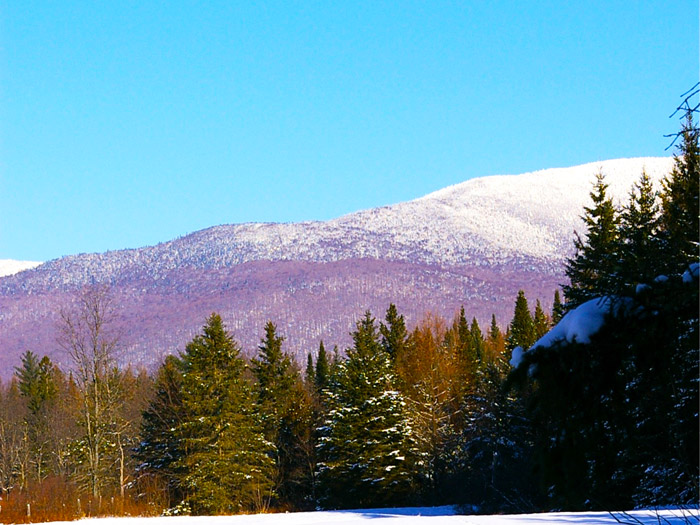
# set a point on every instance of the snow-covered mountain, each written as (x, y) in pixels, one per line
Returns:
(475, 243)
(11, 267)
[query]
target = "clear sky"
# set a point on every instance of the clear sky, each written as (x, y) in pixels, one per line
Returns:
(124, 124)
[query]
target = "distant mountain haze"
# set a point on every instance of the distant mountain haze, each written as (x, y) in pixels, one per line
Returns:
(473, 244)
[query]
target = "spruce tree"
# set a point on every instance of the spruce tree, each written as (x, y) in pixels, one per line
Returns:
(522, 327)
(39, 389)
(365, 449)
(557, 308)
(393, 333)
(322, 368)
(680, 198)
(477, 342)
(640, 257)
(286, 411)
(540, 321)
(160, 444)
(592, 268)
(227, 465)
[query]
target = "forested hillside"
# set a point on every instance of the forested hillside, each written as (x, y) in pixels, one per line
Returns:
(475, 244)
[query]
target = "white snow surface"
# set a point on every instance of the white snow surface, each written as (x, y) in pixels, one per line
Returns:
(413, 516)
(578, 325)
(11, 267)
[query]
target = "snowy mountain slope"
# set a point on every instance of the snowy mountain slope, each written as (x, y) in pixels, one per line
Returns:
(485, 221)
(473, 244)
(11, 267)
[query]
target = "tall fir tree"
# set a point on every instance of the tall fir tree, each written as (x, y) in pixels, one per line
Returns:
(365, 449)
(640, 253)
(37, 386)
(160, 444)
(593, 266)
(680, 198)
(522, 327)
(540, 321)
(227, 464)
(322, 368)
(557, 308)
(394, 334)
(285, 408)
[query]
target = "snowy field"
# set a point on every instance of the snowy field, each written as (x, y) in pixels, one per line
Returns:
(415, 516)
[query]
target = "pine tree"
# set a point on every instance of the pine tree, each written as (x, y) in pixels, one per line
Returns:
(394, 333)
(640, 246)
(557, 308)
(477, 342)
(496, 340)
(540, 321)
(160, 445)
(227, 465)
(38, 388)
(592, 269)
(680, 198)
(365, 449)
(310, 374)
(522, 327)
(275, 375)
(322, 368)
(286, 411)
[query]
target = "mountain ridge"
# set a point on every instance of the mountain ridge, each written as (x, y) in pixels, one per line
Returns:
(474, 243)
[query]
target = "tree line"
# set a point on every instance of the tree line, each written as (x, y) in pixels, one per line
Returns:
(431, 415)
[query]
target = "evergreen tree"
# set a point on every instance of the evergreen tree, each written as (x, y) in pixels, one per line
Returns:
(227, 465)
(275, 375)
(593, 266)
(540, 321)
(310, 374)
(160, 445)
(680, 199)
(365, 448)
(322, 368)
(557, 308)
(38, 388)
(640, 248)
(522, 327)
(394, 333)
(286, 411)
(496, 340)
(477, 342)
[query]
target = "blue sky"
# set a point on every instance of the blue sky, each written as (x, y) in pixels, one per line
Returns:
(124, 124)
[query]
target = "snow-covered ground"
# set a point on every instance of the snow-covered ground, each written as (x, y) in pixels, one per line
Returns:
(416, 516)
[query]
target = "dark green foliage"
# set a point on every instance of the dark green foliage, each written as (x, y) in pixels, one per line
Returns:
(477, 342)
(557, 308)
(160, 438)
(322, 368)
(591, 270)
(617, 417)
(540, 321)
(287, 414)
(37, 385)
(227, 465)
(640, 250)
(494, 334)
(394, 332)
(275, 376)
(310, 373)
(680, 198)
(365, 449)
(498, 475)
(522, 327)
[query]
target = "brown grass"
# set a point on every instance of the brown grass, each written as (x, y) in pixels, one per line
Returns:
(56, 499)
